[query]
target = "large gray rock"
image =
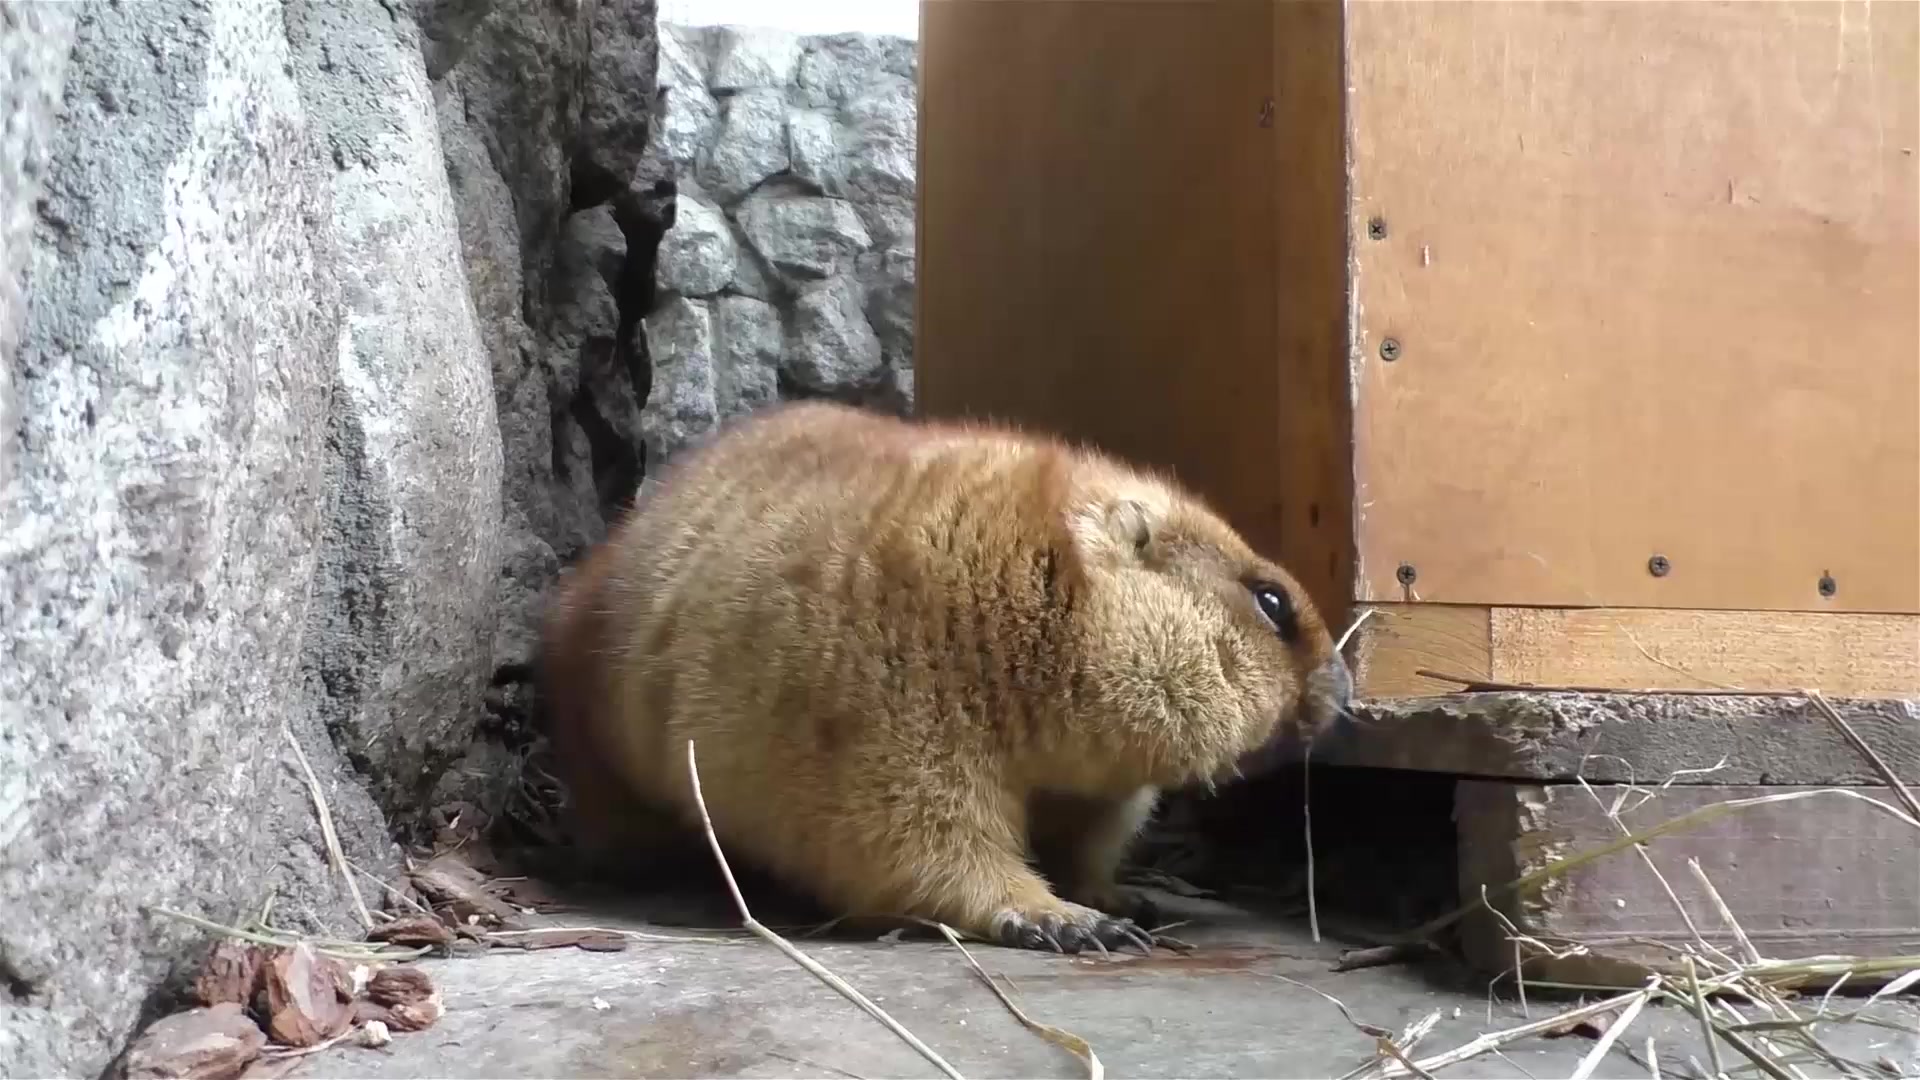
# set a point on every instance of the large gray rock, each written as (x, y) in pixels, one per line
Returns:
(834, 68)
(683, 404)
(814, 150)
(750, 342)
(831, 349)
(34, 39)
(803, 237)
(698, 255)
(418, 511)
(749, 145)
(172, 480)
(750, 57)
(617, 112)
(879, 142)
(686, 116)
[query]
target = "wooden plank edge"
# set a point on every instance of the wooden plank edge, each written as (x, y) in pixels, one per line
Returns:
(1634, 650)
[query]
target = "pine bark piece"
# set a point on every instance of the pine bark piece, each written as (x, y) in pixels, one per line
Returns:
(231, 973)
(408, 995)
(213, 1042)
(307, 996)
(413, 931)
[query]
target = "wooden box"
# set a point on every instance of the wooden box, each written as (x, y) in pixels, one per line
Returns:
(1580, 341)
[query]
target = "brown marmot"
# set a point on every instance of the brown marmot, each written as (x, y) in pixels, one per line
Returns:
(911, 655)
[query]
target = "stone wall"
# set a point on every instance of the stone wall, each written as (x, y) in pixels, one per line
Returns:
(787, 270)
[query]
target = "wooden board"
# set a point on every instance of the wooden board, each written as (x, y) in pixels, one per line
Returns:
(1840, 654)
(1627, 738)
(1652, 271)
(1107, 249)
(1775, 866)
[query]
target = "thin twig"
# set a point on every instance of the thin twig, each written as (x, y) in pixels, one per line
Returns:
(1066, 1040)
(1860, 745)
(1470, 685)
(337, 856)
(1306, 818)
(397, 894)
(813, 966)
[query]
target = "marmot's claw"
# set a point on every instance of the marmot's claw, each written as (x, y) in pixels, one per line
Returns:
(1070, 935)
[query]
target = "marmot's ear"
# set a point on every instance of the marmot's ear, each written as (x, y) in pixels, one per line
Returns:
(1131, 525)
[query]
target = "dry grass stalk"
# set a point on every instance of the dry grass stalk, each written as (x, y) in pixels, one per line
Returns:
(334, 854)
(1866, 751)
(813, 966)
(1060, 1037)
(343, 950)
(1306, 791)
(1612, 1035)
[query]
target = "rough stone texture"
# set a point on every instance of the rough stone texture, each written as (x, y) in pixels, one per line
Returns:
(1629, 738)
(698, 255)
(400, 631)
(1224, 1011)
(170, 500)
(320, 353)
(793, 159)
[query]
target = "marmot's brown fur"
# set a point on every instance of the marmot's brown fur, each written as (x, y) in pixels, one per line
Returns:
(910, 655)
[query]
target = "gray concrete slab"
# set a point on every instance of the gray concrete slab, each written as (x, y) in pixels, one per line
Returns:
(741, 1009)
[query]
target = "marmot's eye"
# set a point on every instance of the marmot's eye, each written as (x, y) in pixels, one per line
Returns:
(1277, 606)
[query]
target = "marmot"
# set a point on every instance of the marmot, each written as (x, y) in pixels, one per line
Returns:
(913, 654)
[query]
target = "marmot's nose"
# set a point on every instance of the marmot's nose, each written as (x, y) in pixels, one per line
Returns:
(1330, 688)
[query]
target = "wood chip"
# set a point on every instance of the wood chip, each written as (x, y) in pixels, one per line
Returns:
(231, 973)
(590, 940)
(460, 892)
(215, 1042)
(307, 996)
(413, 931)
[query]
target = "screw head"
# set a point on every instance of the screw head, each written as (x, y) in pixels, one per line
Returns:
(1377, 228)
(1405, 574)
(1828, 586)
(1658, 566)
(1390, 350)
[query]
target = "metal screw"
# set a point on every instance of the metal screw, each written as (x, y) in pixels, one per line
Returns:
(1828, 586)
(1377, 229)
(1658, 566)
(1405, 574)
(1390, 350)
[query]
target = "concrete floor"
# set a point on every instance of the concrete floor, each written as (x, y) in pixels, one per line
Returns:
(741, 1009)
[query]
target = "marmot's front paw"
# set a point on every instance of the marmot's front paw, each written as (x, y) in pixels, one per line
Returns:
(1069, 929)
(1123, 902)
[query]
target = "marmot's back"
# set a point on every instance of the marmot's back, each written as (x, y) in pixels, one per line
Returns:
(891, 641)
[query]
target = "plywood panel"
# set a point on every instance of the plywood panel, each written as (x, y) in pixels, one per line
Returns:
(1652, 271)
(1107, 249)
(1841, 654)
